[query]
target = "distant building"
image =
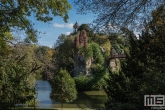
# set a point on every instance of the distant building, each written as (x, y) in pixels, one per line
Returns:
(75, 27)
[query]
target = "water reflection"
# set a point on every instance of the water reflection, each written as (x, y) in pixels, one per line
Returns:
(44, 89)
(85, 99)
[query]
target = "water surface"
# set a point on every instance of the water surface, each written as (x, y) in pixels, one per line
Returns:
(84, 100)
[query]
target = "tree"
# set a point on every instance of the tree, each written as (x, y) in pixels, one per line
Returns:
(16, 82)
(43, 55)
(118, 12)
(60, 40)
(85, 27)
(154, 30)
(16, 69)
(64, 55)
(15, 13)
(139, 75)
(142, 72)
(63, 88)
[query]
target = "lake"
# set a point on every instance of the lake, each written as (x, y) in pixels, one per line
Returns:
(87, 99)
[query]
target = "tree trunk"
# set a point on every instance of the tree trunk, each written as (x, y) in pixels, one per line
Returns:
(61, 106)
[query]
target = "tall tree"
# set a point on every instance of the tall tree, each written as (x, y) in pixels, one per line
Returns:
(142, 72)
(118, 12)
(63, 88)
(63, 56)
(16, 82)
(15, 68)
(155, 29)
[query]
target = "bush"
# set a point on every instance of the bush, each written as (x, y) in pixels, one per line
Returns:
(97, 55)
(95, 82)
(83, 83)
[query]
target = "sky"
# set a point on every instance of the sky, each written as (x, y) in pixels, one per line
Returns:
(50, 31)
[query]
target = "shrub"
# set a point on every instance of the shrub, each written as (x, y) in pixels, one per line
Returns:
(83, 83)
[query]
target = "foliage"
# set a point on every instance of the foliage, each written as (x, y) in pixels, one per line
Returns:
(17, 77)
(60, 40)
(15, 14)
(43, 56)
(100, 39)
(85, 27)
(63, 87)
(83, 83)
(127, 88)
(97, 55)
(97, 81)
(111, 13)
(31, 61)
(104, 43)
(63, 55)
(17, 61)
(154, 34)
(127, 33)
(4, 47)
(92, 51)
(15, 85)
(39, 57)
(100, 77)
(86, 52)
(32, 103)
(120, 41)
(106, 49)
(142, 72)
(90, 32)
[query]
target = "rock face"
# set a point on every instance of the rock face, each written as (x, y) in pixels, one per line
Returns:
(115, 59)
(114, 65)
(81, 40)
(80, 65)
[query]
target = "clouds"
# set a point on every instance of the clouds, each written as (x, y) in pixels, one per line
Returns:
(67, 25)
(58, 25)
(67, 33)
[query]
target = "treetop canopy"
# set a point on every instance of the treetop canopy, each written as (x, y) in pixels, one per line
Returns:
(14, 14)
(118, 12)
